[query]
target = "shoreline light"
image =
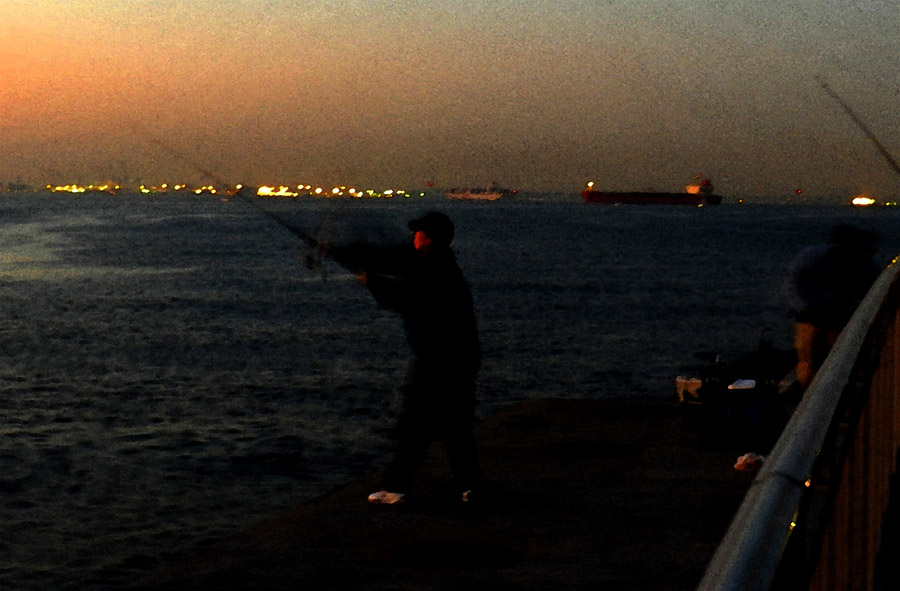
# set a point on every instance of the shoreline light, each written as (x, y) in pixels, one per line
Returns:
(268, 190)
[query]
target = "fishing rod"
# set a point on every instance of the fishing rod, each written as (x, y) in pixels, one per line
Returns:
(307, 238)
(178, 155)
(878, 146)
(312, 259)
(354, 256)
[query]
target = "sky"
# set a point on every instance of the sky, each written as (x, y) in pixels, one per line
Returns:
(539, 95)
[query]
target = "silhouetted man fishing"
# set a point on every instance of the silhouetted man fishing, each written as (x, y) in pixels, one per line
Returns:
(426, 287)
(825, 285)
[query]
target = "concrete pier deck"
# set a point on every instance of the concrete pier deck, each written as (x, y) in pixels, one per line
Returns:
(581, 495)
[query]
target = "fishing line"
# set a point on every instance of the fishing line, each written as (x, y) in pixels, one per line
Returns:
(859, 122)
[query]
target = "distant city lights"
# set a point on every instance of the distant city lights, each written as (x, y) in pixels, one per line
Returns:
(104, 188)
(304, 190)
(273, 192)
(268, 191)
(339, 191)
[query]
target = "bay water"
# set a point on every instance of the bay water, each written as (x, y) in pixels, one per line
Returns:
(170, 372)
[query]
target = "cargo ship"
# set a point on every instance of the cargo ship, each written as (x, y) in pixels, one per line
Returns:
(700, 193)
(487, 194)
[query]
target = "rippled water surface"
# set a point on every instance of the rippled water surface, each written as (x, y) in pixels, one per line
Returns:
(170, 372)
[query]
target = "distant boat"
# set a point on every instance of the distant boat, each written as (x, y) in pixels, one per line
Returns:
(487, 194)
(700, 193)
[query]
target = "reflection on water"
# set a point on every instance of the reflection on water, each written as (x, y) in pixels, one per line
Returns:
(34, 251)
(25, 248)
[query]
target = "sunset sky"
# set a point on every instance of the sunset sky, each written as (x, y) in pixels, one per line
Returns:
(539, 95)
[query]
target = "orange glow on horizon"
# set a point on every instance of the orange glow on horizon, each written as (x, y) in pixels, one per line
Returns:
(334, 91)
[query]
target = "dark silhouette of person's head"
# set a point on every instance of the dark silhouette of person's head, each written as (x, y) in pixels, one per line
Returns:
(854, 239)
(437, 226)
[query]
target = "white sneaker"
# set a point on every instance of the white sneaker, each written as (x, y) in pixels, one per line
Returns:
(384, 497)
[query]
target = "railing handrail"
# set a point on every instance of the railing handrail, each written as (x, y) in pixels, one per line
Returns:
(748, 556)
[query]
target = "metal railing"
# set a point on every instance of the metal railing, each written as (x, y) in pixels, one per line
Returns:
(812, 517)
